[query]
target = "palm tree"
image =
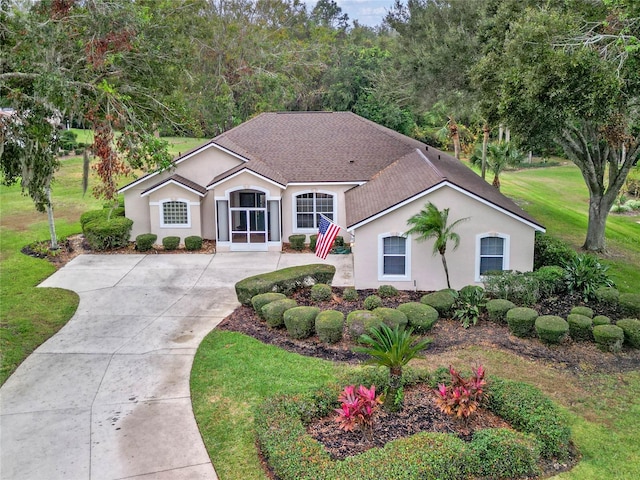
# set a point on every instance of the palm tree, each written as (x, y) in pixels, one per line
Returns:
(392, 349)
(432, 223)
(500, 156)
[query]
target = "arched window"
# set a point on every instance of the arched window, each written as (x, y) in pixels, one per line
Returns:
(174, 213)
(492, 253)
(309, 206)
(394, 257)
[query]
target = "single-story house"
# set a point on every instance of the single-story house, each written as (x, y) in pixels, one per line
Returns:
(253, 186)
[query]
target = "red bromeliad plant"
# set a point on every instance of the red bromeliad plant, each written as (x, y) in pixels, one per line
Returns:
(358, 409)
(464, 395)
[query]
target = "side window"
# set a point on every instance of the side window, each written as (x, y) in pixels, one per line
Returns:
(492, 254)
(175, 213)
(393, 257)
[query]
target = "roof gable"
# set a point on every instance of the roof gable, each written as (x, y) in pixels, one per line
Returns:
(180, 182)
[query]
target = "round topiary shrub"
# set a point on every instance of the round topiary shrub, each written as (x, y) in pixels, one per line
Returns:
(193, 243)
(607, 295)
(372, 302)
(420, 316)
(329, 325)
(145, 241)
(630, 304)
(551, 328)
(387, 291)
(586, 311)
(170, 243)
(350, 294)
(313, 240)
(391, 317)
(273, 312)
(498, 308)
(521, 321)
(580, 327)
(442, 301)
(504, 453)
(601, 320)
(320, 292)
(296, 242)
(608, 337)
(260, 300)
(300, 321)
(631, 329)
(360, 322)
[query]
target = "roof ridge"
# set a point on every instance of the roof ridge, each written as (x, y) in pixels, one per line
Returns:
(430, 163)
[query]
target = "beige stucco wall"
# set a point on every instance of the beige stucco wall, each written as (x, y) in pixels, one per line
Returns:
(426, 270)
(175, 192)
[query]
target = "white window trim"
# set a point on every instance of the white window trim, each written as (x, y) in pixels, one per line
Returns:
(506, 253)
(174, 225)
(294, 208)
(407, 266)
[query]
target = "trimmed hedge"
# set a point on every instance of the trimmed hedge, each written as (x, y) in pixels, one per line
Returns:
(313, 240)
(420, 316)
(297, 241)
(630, 304)
(580, 327)
(91, 215)
(350, 294)
(170, 242)
(442, 301)
(273, 312)
(286, 280)
(360, 322)
(631, 328)
(503, 453)
(329, 325)
(521, 321)
(601, 320)
(551, 328)
(372, 302)
(498, 308)
(145, 241)
(300, 321)
(192, 243)
(392, 317)
(607, 295)
(550, 280)
(260, 300)
(320, 292)
(387, 291)
(608, 337)
(586, 311)
(103, 234)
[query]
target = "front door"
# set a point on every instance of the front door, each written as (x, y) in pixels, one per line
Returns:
(248, 213)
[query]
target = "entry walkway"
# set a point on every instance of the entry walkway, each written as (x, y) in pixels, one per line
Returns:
(108, 397)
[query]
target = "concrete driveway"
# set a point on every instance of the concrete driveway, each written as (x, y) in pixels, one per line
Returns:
(108, 397)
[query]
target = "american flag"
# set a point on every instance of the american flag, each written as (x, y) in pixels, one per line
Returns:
(327, 232)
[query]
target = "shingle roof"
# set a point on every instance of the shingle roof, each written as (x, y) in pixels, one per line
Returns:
(185, 182)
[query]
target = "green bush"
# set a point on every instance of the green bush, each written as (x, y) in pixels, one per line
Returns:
(391, 317)
(170, 242)
(313, 240)
(601, 320)
(630, 304)
(297, 241)
(584, 274)
(517, 287)
(103, 234)
(607, 296)
(421, 317)
(284, 281)
(329, 326)
(503, 453)
(260, 300)
(91, 215)
(387, 291)
(339, 241)
(521, 321)
(372, 302)
(145, 241)
(551, 328)
(273, 312)
(498, 308)
(350, 294)
(320, 292)
(631, 329)
(442, 301)
(550, 251)
(580, 327)
(550, 280)
(193, 243)
(581, 310)
(300, 321)
(609, 337)
(360, 322)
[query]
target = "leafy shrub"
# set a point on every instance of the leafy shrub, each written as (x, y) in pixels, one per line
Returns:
(469, 302)
(582, 310)
(517, 287)
(630, 304)
(601, 320)
(421, 317)
(297, 241)
(521, 321)
(286, 280)
(350, 294)
(170, 242)
(360, 322)
(103, 234)
(462, 397)
(498, 308)
(358, 409)
(273, 312)
(313, 240)
(372, 302)
(551, 328)
(339, 241)
(631, 329)
(608, 337)
(503, 453)
(104, 214)
(391, 317)
(607, 296)
(550, 280)
(260, 300)
(145, 241)
(300, 321)
(320, 292)
(584, 274)
(329, 325)
(442, 301)
(387, 291)
(193, 243)
(580, 327)
(551, 251)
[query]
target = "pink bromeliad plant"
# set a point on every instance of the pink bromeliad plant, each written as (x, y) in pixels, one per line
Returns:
(463, 397)
(358, 409)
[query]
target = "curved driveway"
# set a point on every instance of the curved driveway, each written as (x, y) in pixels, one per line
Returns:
(107, 397)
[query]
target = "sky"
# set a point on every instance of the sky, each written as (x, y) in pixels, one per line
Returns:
(367, 12)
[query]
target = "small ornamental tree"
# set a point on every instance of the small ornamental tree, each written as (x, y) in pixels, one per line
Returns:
(358, 409)
(463, 397)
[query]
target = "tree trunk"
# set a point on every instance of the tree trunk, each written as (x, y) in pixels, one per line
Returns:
(500, 133)
(455, 136)
(485, 143)
(507, 135)
(52, 226)
(446, 269)
(599, 206)
(395, 381)
(496, 182)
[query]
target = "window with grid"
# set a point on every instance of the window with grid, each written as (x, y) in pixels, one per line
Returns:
(175, 213)
(491, 254)
(309, 206)
(394, 256)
